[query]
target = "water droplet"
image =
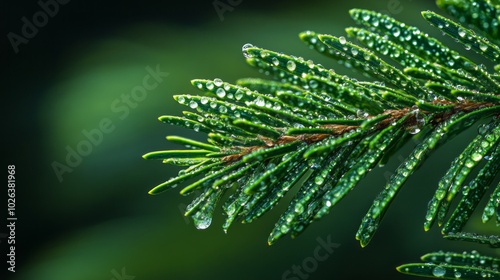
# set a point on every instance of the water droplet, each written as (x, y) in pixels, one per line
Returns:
(476, 157)
(396, 31)
(231, 209)
(342, 40)
(361, 170)
(419, 121)
(284, 229)
(204, 100)
(223, 109)
(290, 65)
(318, 180)
(299, 208)
(275, 61)
(181, 99)
(483, 47)
(244, 50)
(193, 104)
(238, 94)
(220, 92)
(461, 32)
(439, 271)
(440, 193)
(414, 129)
(210, 85)
(218, 82)
(361, 114)
(202, 221)
(259, 101)
(367, 56)
(310, 64)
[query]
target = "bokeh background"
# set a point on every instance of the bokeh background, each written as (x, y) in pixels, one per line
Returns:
(97, 221)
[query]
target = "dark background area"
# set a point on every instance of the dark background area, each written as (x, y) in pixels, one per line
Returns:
(98, 219)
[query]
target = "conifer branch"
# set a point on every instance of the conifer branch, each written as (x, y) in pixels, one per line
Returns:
(310, 128)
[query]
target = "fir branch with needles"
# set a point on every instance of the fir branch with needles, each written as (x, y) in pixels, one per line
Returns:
(310, 129)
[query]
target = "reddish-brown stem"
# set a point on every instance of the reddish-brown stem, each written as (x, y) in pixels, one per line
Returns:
(339, 129)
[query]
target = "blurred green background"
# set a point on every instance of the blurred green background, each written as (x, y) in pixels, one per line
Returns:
(96, 221)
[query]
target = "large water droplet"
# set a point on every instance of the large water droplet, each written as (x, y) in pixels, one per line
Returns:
(220, 92)
(201, 221)
(290, 65)
(218, 82)
(193, 104)
(244, 48)
(238, 94)
(439, 271)
(260, 101)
